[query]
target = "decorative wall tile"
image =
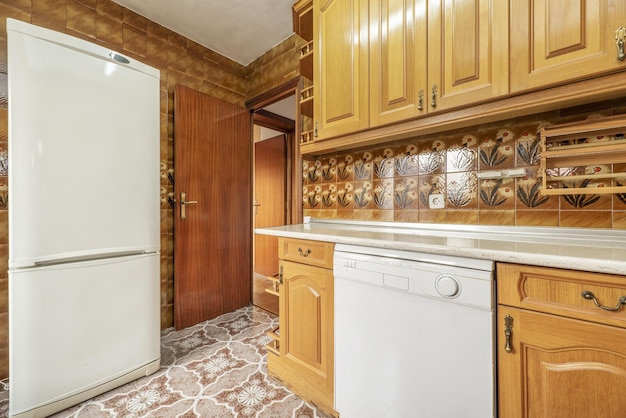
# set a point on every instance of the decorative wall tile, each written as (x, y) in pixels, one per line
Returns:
(344, 195)
(362, 194)
(432, 157)
(433, 184)
(383, 194)
(496, 149)
(328, 169)
(383, 163)
(461, 153)
(362, 167)
(405, 193)
(528, 192)
(497, 194)
(619, 219)
(406, 160)
(329, 196)
(463, 217)
(344, 167)
(461, 190)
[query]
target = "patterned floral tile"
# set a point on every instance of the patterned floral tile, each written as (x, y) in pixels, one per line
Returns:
(432, 157)
(430, 185)
(382, 193)
(528, 192)
(329, 196)
(406, 160)
(328, 169)
(344, 167)
(461, 153)
(405, 193)
(362, 167)
(496, 149)
(362, 195)
(213, 369)
(497, 194)
(383, 163)
(461, 191)
(344, 195)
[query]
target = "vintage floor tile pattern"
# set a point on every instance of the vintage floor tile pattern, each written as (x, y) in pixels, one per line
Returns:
(214, 369)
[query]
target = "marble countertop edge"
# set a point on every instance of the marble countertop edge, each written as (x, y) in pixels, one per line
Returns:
(535, 249)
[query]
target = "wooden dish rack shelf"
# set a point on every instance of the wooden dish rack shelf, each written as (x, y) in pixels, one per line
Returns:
(592, 142)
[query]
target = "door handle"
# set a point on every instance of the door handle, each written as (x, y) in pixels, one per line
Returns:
(256, 205)
(184, 203)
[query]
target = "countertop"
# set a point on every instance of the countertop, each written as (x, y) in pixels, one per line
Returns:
(595, 250)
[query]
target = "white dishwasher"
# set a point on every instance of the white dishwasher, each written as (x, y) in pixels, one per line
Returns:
(414, 335)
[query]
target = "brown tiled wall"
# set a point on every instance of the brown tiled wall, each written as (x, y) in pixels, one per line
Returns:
(179, 59)
(393, 182)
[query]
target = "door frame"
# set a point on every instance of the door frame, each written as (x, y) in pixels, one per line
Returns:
(291, 129)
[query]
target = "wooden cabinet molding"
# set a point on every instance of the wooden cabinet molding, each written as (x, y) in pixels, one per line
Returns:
(607, 87)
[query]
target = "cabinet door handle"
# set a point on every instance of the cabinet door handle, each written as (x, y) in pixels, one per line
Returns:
(280, 275)
(620, 38)
(304, 253)
(433, 96)
(508, 333)
(590, 296)
(420, 99)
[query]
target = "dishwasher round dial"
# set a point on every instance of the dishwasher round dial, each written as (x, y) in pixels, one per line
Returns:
(447, 286)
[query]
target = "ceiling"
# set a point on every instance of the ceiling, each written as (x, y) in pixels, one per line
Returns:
(241, 30)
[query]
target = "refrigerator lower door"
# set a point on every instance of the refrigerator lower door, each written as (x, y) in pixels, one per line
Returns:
(79, 329)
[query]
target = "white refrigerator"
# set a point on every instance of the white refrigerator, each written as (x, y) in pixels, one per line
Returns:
(84, 235)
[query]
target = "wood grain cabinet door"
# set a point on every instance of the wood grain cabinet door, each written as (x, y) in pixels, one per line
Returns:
(468, 51)
(306, 326)
(559, 367)
(340, 67)
(556, 41)
(398, 60)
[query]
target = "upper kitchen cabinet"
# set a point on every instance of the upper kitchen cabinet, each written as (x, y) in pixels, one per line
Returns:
(340, 73)
(468, 52)
(557, 41)
(398, 76)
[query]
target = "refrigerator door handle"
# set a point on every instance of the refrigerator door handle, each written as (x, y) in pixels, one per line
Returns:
(92, 257)
(184, 203)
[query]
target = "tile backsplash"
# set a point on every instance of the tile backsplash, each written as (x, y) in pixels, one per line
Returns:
(395, 181)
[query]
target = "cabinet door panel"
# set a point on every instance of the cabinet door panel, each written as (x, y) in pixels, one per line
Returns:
(398, 57)
(340, 66)
(306, 319)
(468, 51)
(555, 41)
(560, 367)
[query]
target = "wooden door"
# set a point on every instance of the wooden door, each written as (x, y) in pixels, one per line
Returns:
(468, 58)
(560, 367)
(212, 253)
(398, 54)
(340, 67)
(306, 326)
(556, 41)
(270, 200)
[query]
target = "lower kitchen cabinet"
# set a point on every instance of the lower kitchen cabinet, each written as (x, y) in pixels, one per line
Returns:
(302, 355)
(560, 355)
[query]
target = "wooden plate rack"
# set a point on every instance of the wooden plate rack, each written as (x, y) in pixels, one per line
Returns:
(567, 147)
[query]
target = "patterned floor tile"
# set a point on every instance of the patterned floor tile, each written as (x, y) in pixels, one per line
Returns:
(216, 369)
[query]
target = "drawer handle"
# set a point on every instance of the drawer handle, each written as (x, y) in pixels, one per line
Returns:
(590, 296)
(304, 253)
(508, 333)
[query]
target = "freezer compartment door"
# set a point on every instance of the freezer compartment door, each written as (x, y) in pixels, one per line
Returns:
(85, 178)
(76, 326)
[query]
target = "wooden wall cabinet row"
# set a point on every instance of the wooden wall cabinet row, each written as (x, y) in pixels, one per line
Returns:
(378, 62)
(302, 352)
(559, 355)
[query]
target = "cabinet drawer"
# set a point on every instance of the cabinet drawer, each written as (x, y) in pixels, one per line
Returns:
(314, 253)
(562, 292)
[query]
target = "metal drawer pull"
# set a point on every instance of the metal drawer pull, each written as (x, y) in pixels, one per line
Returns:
(620, 38)
(508, 333)
(303, 253)
(590, 296)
